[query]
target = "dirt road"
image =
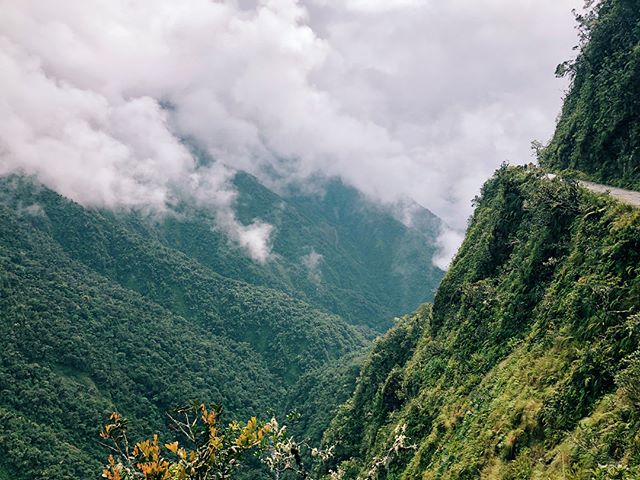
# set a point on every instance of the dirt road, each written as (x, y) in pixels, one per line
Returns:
(628, 197)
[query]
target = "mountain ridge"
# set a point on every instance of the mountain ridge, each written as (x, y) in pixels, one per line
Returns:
(101, 311)
(529, 348)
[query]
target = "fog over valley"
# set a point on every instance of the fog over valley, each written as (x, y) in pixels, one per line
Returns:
(108, 101)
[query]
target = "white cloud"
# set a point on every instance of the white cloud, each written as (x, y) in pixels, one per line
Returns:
(81, 132)
(312, 262)
(448, 242)
(418, 98)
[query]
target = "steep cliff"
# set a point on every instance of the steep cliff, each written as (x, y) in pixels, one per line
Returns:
(527, 366)
(599, 129)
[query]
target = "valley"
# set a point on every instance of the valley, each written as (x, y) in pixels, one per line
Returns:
(219, 257)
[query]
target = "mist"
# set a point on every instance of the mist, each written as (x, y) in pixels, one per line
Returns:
(413, 98)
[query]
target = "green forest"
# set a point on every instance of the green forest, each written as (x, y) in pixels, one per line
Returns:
(598, 133)
(527, 364)
(105, 311)
(138, 346)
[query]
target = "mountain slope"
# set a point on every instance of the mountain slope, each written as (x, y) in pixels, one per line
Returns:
(527, 367)
(599, 130)
(267, 319)
(96, 316)
(76, 346)
(337, 251)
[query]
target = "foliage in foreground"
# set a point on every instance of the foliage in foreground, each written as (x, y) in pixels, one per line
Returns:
(208, 449)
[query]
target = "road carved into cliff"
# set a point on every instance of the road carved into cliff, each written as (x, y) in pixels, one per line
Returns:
(628, 197)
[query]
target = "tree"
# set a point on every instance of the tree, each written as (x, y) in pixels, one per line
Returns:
(209, 449)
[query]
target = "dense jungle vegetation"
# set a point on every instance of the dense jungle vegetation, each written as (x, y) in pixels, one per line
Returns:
(106, 311)
(598, 132)
(369, 266)
(527, 366)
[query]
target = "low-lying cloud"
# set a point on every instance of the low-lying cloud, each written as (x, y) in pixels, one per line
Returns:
(312, 262)
(415, 98)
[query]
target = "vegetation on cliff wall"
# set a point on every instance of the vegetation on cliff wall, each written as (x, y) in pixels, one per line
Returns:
(599, 130)
(527, 365)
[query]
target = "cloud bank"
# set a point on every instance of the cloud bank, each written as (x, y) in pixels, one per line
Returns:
(417, 98)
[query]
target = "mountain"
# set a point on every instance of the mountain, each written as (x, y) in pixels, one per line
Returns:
(96, 317)
(105, 310)
(598, 133)
(336, 250)
(527, 365)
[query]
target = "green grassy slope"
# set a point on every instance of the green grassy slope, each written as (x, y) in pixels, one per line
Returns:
(528, 366)
(599, 130)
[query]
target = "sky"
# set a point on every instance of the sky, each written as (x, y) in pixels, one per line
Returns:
(419, 99)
